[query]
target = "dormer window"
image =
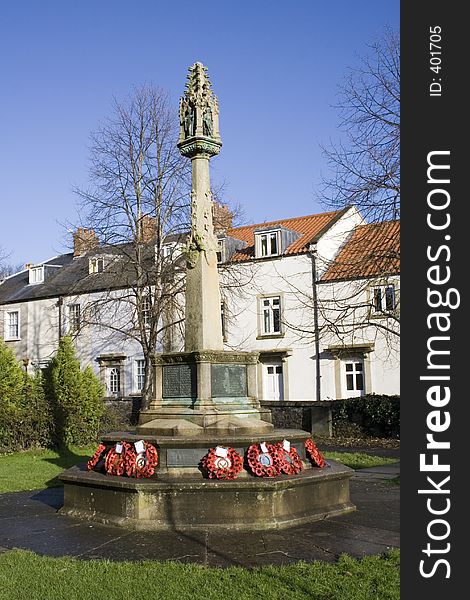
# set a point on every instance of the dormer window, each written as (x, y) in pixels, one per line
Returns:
(96, 265)
(268, 243)
(36, 274)
(169, 251)
(384, 299)
(220, 250)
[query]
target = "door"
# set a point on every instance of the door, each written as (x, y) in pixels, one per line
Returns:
(274, 382)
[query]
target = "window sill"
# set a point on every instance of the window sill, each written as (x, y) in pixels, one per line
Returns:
(270, 336)
(12, 339)
(393, 314)
(270, 257)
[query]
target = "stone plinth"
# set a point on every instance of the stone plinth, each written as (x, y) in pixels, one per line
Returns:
(203, 392)
(192, 504)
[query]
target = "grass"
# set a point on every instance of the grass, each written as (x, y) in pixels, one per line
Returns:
(27, 575)
(359, 460)
(24, 574)
(37, 469)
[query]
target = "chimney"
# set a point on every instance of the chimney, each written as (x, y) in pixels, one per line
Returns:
(84, 240)
(222, 217)
(147, 229)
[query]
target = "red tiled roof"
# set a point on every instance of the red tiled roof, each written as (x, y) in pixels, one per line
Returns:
(309, 227)
(372, 250)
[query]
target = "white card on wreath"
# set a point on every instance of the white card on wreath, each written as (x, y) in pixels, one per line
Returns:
(286, 445)
(222, 452)
(139, 446)
(264, 448)
(118, 448)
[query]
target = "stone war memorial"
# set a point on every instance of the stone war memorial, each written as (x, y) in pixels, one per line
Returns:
(205, 455)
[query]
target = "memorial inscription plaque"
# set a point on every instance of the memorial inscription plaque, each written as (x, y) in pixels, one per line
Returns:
(228, 381)
(179, 381)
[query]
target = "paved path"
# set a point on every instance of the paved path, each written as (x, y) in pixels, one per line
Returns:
(30, 520)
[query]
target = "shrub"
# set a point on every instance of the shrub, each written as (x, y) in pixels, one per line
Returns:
(372, 415)
(11, 376)
(38, 426)
(25, 414)
(76, 396)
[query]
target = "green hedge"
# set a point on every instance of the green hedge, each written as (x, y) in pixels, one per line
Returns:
(370, 415)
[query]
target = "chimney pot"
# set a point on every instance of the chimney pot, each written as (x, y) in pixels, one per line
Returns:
(84, 240)
(222, 217)
(147, 229)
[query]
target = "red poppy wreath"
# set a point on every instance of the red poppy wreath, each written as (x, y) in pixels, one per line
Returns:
(291, 463)
(141, 464)
(115, 463)
(262, 463)
(222, 463)
(314, 453)
(97, 456)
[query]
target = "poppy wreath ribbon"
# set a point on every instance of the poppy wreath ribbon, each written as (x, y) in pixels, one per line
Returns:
(141, 464)
(314, 453)
(220, 467)
(95, 459)
(291, 463)
(264, 464)
(115, 463)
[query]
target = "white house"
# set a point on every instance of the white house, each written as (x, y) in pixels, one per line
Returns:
(316, 296)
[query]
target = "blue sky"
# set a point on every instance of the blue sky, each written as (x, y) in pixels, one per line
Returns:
(274, 66)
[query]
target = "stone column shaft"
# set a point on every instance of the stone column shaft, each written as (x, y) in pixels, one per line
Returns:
(203, 323)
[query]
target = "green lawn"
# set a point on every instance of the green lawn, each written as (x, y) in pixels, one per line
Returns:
(37, 469)
(27, 575)
(359, 460)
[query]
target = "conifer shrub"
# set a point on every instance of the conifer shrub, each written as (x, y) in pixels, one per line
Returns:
(25, 415)
(76, 397)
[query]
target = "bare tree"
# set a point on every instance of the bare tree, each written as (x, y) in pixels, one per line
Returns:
(7, 268)
(366, 165)
(138, 202)
(361, 297)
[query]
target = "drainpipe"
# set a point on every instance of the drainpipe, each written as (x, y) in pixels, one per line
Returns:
(313, 256)
(60, 303)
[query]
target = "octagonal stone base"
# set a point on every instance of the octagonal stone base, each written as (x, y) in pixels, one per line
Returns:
(191, 504)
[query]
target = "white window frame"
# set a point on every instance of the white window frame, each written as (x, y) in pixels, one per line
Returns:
(353, 371)
(111, 383)
(8, 325)
(265, 251)
(170, 250)
(267, 315)
(379, 292)
(96, 265)
(139, 374)
(36, 275)
(74, 317)
(146, 311)
(220, 252)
